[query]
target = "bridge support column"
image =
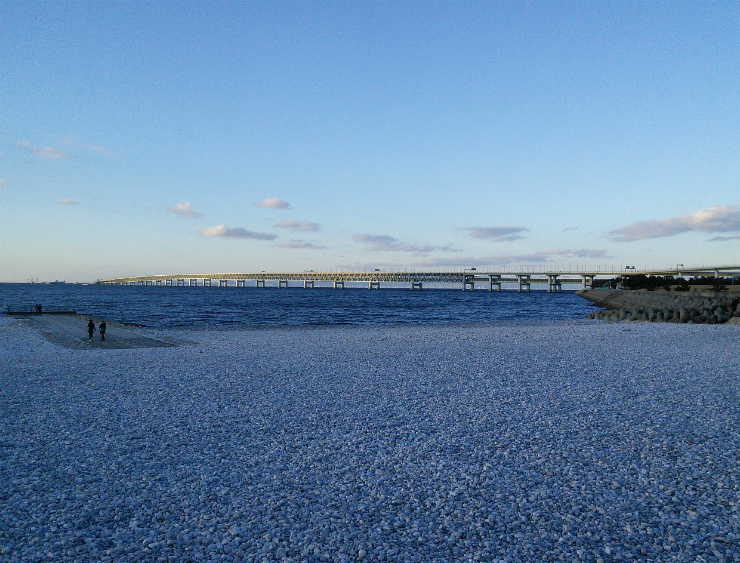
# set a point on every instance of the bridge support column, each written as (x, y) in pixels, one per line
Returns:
(241, 283)
(553, 284)
(168, 283)
(193, 282)
(468, 281)
(206, 282)
(338, 284)
(307, 284)
(158, 282)
(260, 283)
(416, 285)
(282, 283)
(523, 282)
(494, 281)
(587, 281)
(373, 285)
(223, 283)
(180, 282)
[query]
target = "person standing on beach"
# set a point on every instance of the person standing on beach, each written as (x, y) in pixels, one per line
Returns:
(90, 329)
(102, 328)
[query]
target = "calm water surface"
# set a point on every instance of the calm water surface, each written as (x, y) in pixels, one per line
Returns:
(200, 307)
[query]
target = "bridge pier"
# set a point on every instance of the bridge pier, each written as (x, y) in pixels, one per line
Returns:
(523, 282)
(307, 284)
(158, 283)
(553, 284)
(494, 281)
(373, 285)
(206, 282)
(193, 282)
(180, 282)
(338, 284)
(241, 283)
(168, 283)
(415, 285)
(282, 283)
(468, 281)
(587, 281)
(260, 283)
(223, 283)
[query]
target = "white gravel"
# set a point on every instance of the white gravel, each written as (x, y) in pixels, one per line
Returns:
(570, 441)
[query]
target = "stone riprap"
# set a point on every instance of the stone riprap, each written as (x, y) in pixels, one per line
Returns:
(664, 306)
(568, 441)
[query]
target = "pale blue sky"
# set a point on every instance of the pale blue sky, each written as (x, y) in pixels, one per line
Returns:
(140, 138)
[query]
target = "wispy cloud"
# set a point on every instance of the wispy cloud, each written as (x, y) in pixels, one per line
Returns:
(301, 244)
(273, 203)
(97, 149)
(385, 243)
(721, 239)
(67, 202)
(234, 232)
(45, 152)
(717, 219)
(496, 234)
(184, 210)
(4, 182)
(539, 257)
(302, 226)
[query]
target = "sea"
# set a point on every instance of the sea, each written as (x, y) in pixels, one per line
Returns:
(248, 307)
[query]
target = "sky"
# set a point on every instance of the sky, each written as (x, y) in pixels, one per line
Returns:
(174, 137)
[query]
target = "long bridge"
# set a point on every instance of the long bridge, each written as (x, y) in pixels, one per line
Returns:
(466, 278)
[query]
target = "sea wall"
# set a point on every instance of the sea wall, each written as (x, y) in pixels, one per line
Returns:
(664, 306)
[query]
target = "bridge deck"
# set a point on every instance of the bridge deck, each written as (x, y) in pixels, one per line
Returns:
(467, 278)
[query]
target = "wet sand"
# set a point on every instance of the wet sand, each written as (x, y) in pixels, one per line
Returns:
(71, 331)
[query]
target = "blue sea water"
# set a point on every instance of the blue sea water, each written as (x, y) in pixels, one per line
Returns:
(201, 307)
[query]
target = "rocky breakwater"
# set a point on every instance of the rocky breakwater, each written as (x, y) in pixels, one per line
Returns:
(664, 306)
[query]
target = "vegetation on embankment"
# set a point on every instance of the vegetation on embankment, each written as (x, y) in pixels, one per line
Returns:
(669, 283)
(664, 306)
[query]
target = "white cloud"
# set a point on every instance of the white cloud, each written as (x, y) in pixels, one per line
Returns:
(717, 219)
(385, 243)
(273, 203)
(721, 239)
(301, 244)
(67, 202)
(234, 232)
(45, 152)
(184, 210)
(496, 234)
(303, 226)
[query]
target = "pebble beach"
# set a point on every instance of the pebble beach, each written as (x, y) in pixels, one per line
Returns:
(507, 442)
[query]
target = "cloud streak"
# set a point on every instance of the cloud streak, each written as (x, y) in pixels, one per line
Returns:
(496, 234)
(223, 231)
(539, 257)
(301, 244)
(387, 243)
(67, 202)
(184, 210)
(717, 219)
(273, 203)
(45, 152)
(302, 226)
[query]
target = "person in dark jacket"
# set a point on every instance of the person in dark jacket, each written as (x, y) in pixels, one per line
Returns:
(102, 328)
(90, 329)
